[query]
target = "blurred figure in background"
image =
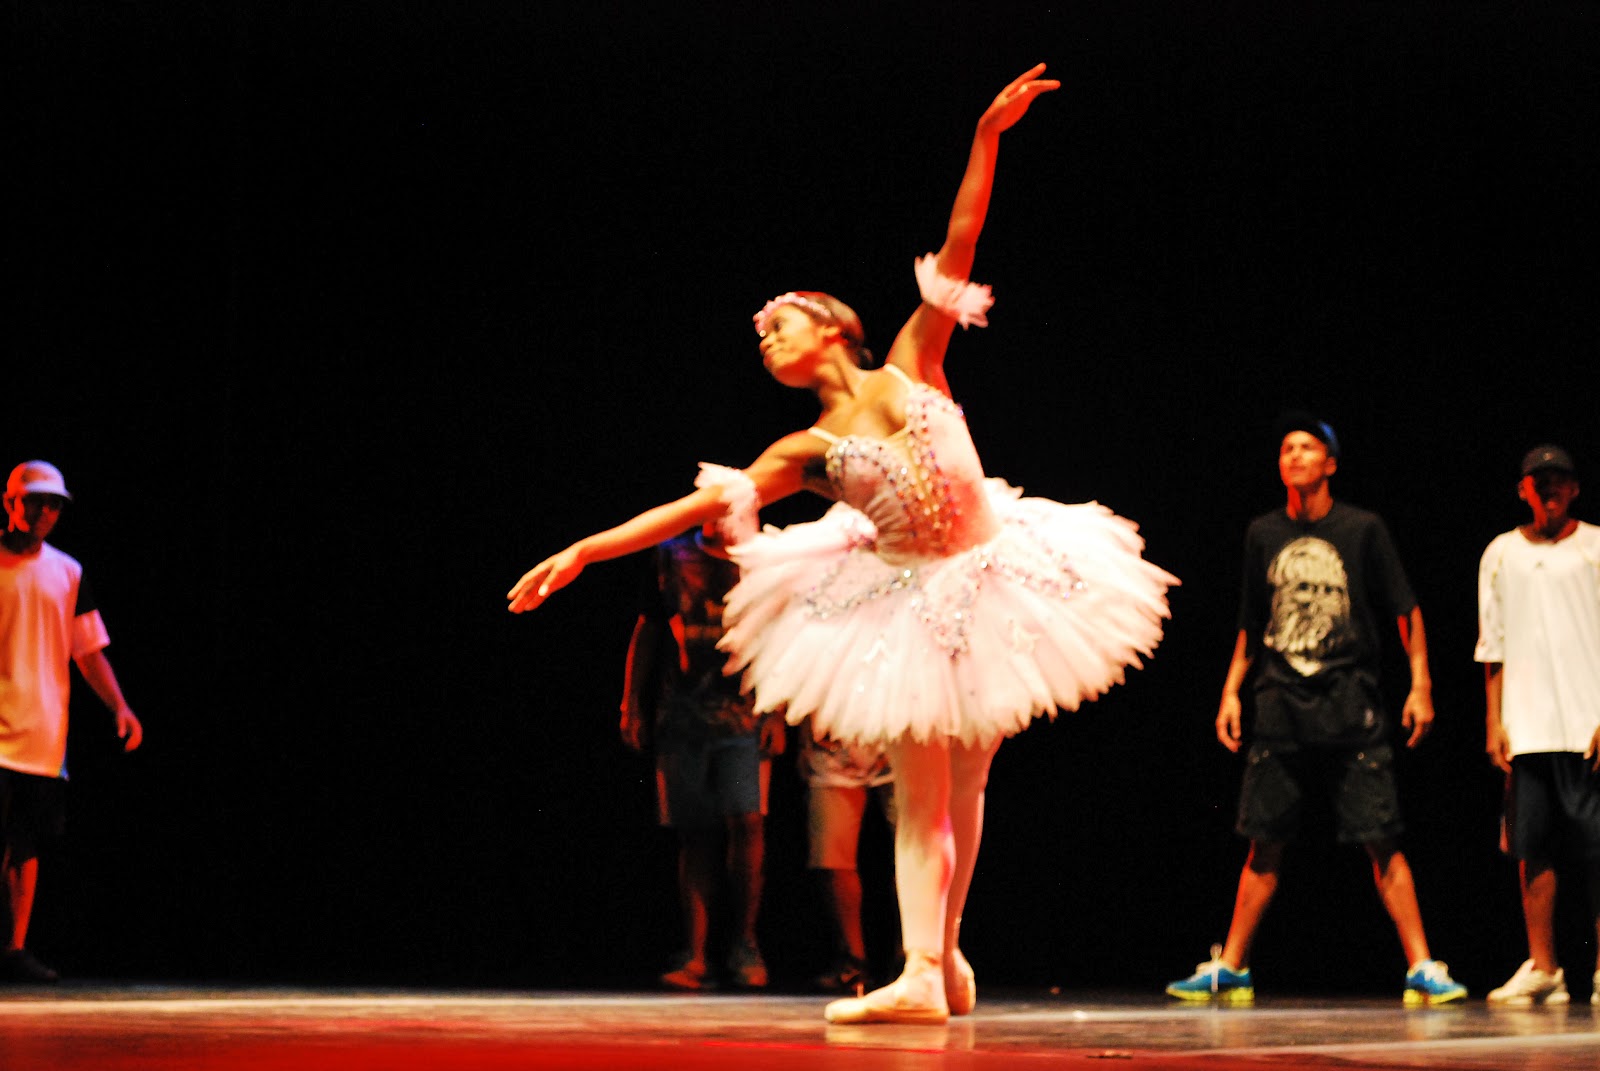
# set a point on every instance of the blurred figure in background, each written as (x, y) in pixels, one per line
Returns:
(841, 780)
(712, 752)
(1539, 640)
(48, 621)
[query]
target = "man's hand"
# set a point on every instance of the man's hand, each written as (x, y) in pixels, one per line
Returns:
(1417, 715)
(1498, 745)
(632, 727)
(1228, 717)
(774, 735)
(129, 731)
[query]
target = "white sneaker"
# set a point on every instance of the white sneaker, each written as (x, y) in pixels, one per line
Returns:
(1532, 986)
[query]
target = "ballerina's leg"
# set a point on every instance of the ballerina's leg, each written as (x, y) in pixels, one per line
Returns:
(969, 777)
(925, 863)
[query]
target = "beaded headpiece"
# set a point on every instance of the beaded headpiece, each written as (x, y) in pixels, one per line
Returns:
(815, 309)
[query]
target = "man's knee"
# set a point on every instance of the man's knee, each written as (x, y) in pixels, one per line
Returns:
(746, 827)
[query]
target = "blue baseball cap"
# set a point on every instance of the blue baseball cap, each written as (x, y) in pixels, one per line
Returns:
(1301, 420)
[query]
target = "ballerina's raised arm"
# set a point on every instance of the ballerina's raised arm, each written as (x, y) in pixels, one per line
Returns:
(787, 466)
(920, 346)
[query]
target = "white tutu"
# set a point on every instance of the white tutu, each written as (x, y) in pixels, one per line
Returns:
(1048, 612)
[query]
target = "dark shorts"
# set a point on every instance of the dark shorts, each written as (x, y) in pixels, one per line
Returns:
(1552, 808)
(1359, 782)
(701, 783)
(33, 812)
(1339, 708)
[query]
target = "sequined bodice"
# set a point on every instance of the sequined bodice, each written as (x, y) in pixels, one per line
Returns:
(922, 487)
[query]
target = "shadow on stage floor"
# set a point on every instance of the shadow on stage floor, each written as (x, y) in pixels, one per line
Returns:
(122, 1028)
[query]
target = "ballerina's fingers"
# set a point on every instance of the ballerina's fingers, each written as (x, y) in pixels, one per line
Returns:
(523, 596)
(544, 579)
(1026, 76)
(1024, 96)
(1029, 84)
(532, 589)
(1015, 98)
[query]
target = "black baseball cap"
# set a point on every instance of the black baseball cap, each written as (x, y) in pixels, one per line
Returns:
(1547, 456)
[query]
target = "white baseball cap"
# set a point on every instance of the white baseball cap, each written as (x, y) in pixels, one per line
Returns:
(36, 477)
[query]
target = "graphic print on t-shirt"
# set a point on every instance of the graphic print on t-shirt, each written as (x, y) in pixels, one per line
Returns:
(1310, 604)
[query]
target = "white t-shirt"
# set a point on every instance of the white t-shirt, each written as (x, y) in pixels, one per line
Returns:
(1539, 615)
(43, 628)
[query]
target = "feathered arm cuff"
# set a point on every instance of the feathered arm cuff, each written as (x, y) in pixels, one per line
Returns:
(961, 299)
(738, 493)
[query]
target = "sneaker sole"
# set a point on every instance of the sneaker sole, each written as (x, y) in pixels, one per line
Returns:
(1236, 995)
(1416, 997)
(1526, 1001)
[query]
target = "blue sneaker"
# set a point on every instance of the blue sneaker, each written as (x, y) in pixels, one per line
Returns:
(1430, 983)
(1215, 980)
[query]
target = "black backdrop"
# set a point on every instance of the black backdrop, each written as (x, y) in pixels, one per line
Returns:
(338, 317)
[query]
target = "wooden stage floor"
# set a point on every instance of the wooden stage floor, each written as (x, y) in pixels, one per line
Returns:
(87, 1027)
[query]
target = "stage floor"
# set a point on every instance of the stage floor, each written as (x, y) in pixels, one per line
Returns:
(120, 1028)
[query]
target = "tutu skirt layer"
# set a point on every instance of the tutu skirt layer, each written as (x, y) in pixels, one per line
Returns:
(1046, 614)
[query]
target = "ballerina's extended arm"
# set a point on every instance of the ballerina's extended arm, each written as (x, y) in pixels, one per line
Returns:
(920, 347)
(645, 530)
(777, 473)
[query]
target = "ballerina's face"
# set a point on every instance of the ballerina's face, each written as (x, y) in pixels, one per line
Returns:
(794, 344)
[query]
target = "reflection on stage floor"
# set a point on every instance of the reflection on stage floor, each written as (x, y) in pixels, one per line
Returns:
(135, 1028)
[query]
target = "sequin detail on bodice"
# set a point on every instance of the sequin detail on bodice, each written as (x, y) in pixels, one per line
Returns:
(923, 490)
(922, 487)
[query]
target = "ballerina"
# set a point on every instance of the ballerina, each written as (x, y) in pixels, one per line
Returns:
(932, 611)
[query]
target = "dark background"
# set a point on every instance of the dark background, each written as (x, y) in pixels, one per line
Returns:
(340, 316)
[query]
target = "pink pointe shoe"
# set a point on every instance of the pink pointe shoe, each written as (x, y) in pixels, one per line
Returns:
(916, 997)
(960, 985)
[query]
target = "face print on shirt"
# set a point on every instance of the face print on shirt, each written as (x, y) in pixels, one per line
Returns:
(1310, 604)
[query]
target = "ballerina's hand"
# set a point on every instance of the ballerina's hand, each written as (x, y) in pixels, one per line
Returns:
(1014, 100)
(543, 580)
